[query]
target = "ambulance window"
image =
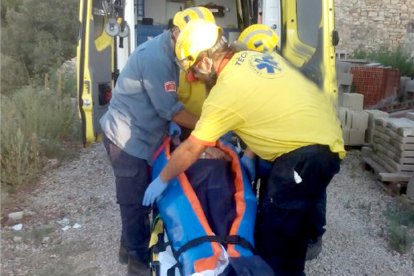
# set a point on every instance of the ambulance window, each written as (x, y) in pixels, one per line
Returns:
(308, 19)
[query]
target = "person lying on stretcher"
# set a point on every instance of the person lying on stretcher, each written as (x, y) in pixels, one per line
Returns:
(209, 213)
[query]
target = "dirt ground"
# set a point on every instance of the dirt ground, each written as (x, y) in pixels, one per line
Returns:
(71, 224)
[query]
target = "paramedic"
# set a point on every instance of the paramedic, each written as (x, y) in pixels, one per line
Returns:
(262, 38)
(143, 102)
(282, 117)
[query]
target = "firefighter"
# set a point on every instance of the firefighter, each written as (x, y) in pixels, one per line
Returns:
(143, 103)
(282, 117)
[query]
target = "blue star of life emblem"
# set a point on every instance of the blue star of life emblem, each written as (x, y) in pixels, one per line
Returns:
(266, 66)
(267, 63)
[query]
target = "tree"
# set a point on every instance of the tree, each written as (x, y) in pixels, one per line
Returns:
(41, 34)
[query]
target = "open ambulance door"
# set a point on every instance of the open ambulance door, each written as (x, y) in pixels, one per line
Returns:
(102, 27)
(307, 37)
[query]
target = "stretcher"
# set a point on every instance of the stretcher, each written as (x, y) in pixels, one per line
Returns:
(205, 221)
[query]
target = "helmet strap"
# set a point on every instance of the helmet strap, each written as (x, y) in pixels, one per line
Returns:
(175, 31)
(223, 60)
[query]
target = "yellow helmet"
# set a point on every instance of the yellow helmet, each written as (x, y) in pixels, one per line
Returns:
(259, 38)
(181, 18)
(197, 36)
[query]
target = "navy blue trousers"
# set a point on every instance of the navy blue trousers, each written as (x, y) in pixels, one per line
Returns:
(131, 181)
(291, 213)
(213, 184)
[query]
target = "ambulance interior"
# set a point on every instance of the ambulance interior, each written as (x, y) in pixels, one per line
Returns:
(152, 16)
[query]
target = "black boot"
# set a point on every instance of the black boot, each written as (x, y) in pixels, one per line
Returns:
(123, 254)
(314, 248)
(137, 268)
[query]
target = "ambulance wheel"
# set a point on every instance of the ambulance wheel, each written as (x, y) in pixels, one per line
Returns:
(112, 28)
(125, 31)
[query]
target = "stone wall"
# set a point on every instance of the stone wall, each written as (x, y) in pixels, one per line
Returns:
(372, 23)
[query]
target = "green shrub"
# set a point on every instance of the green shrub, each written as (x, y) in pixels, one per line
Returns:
(34, 122)
(13, 74)
(64, 82)
(399, 229)
(398, 58)
(40, 33)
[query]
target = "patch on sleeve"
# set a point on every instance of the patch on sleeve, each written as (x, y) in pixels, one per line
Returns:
(170, 86)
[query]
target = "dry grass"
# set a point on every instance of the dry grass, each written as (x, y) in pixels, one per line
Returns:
(34, 123)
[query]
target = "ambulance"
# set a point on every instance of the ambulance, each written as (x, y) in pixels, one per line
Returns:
(110, 30)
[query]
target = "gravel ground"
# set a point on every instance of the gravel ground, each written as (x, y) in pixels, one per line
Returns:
(80, 195)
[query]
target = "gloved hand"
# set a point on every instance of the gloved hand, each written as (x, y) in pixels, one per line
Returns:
(154, 190)
(250, 166)
(174, 130)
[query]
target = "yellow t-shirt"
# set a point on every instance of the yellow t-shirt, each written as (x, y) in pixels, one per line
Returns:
(192, 95)
(270, 105)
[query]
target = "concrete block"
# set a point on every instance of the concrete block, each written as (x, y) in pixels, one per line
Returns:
(373, 114)
(344, 88)
(345, 135)
(359, 120)
(343, 67)
(340, 96)
(341, 54)
(366, 152)
(345, 79)
(410, 115)
(369, 136)
(410, 188)
(345, 117)
(409, 86)
(354, 101)
(356, 137)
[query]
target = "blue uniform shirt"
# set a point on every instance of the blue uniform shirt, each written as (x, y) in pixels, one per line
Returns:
(144, 99)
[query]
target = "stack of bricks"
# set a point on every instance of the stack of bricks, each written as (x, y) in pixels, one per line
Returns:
(393, 144)
(354, 120)
(376, 84)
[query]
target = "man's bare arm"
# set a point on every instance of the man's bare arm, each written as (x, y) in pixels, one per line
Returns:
(185, 118)
(182, 158)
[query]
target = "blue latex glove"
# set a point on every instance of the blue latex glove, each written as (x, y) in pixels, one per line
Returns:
(174, 130)
(154, 190)
(250, 166)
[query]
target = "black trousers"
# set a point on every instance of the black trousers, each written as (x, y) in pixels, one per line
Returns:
(292, 211)
(131, 180)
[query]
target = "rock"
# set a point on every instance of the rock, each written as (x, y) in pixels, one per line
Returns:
(63, 222)
(29, 213)
(17, 239)
(45, 239)
(17, 227)
(51, 164)
(67, 227)
(77, 226)
(16, 215)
